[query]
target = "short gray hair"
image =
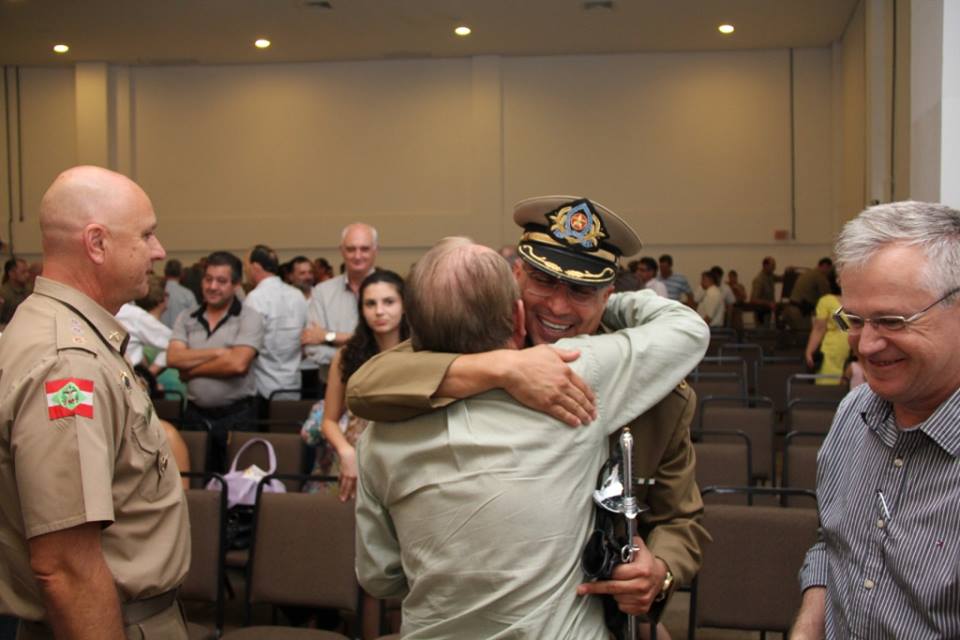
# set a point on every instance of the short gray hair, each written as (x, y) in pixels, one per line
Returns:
(934, 228)
(370, 227)
(460, 298)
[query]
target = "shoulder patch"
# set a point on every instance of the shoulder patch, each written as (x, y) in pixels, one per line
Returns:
(69, 397)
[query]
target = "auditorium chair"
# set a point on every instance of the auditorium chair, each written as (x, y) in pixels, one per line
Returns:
(800, 462)
(205, 579)
(170, 407)
(810, 415)
(753, 416)
(773, 375)
(748, 580)
(723, 459)
(197, 443)
(801, 386)
(302, 556)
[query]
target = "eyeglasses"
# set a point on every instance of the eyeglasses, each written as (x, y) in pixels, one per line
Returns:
(543, 286)
(853, 324)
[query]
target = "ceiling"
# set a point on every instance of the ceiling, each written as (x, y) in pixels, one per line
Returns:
(222, 31)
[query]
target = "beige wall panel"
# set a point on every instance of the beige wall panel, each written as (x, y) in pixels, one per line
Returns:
(681, 144)
(852, 172)
(288, 154)
(49, 137)
(814, 134)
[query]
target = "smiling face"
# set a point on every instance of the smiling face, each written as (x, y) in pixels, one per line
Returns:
(915, 368)
(556, 309)
(382, 308)
(218, 287)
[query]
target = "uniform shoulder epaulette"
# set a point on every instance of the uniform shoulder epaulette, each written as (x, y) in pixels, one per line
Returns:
(74, 333)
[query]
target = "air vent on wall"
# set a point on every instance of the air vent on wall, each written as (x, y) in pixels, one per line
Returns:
(324, 5)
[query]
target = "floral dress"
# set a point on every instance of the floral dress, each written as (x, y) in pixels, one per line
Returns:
(327, 462)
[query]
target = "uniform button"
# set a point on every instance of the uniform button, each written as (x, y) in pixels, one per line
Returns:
(881, 524)
(868, 584)
(898, 462)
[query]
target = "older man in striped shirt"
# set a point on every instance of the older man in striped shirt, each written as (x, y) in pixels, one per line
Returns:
(888, 479)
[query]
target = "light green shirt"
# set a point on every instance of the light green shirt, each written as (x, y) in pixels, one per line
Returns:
(477, 512)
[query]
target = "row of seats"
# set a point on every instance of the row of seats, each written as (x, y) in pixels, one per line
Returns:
(301, 556)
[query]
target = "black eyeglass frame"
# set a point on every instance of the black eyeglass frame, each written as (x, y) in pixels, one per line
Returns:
(886, 323)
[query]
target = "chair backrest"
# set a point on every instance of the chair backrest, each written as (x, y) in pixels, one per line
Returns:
(290, 450)
(749, 574)
(752, 355)
(773, 375)
(723, 460)
(205, 578)
(303, 552)
(197, 443)
(810, 415)
(800, 462)
(801, 386)
(289, 410)
(170, 407)
(716, 414)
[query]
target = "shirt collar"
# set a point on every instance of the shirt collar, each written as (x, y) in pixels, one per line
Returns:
(107, 326)
(941, 427)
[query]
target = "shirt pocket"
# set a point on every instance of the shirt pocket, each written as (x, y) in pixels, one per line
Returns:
(150, 450)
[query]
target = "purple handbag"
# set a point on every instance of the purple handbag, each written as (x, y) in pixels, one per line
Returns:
(242, 485)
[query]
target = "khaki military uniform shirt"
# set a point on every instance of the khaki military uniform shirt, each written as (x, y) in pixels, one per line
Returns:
(400, 384)
(79, 442)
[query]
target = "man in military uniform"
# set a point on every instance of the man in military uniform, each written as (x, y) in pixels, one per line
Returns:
(92, 515)
(565, 287)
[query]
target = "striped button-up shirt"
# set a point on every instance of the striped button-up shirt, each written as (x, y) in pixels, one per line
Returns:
(889, 501)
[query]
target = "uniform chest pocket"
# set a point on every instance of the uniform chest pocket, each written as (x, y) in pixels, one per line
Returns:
(150, 454)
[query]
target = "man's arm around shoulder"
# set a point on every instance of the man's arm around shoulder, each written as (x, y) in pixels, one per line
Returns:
(78, 589)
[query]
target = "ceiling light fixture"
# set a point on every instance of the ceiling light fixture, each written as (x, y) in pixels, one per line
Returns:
(261, 43)
(725, 29)
(463, 30)
(61, 48)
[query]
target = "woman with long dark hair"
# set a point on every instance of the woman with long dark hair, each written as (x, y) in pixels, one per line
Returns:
(381, 326)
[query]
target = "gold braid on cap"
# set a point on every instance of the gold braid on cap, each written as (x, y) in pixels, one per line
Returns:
(527, 250)
(547, 239)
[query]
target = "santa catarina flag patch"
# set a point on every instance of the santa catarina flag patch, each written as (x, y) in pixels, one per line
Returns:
(69, 397)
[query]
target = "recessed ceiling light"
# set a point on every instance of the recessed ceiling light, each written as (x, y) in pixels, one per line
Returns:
(261, 43)
(725, 29)
(462, 30)
(61, 48)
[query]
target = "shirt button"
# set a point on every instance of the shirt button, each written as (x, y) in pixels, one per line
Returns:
(868, 584)
(881, 524)
(898, 462)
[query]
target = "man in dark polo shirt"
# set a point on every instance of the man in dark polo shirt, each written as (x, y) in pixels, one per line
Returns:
(214, 347)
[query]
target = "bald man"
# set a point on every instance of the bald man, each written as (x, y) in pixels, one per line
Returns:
(93, 519)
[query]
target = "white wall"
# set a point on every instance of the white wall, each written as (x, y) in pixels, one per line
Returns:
(692, 148)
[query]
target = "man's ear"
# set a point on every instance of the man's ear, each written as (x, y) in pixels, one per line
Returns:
(519, 323)
(606, 294)
(95, 242)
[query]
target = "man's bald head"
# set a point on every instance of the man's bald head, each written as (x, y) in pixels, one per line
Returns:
(98, 230)
(80, 196)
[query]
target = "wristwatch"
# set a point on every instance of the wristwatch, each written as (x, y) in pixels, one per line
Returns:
(329, 337)
(665, 587)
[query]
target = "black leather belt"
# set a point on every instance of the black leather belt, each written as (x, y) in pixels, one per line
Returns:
(136, 611)
(215, 413)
